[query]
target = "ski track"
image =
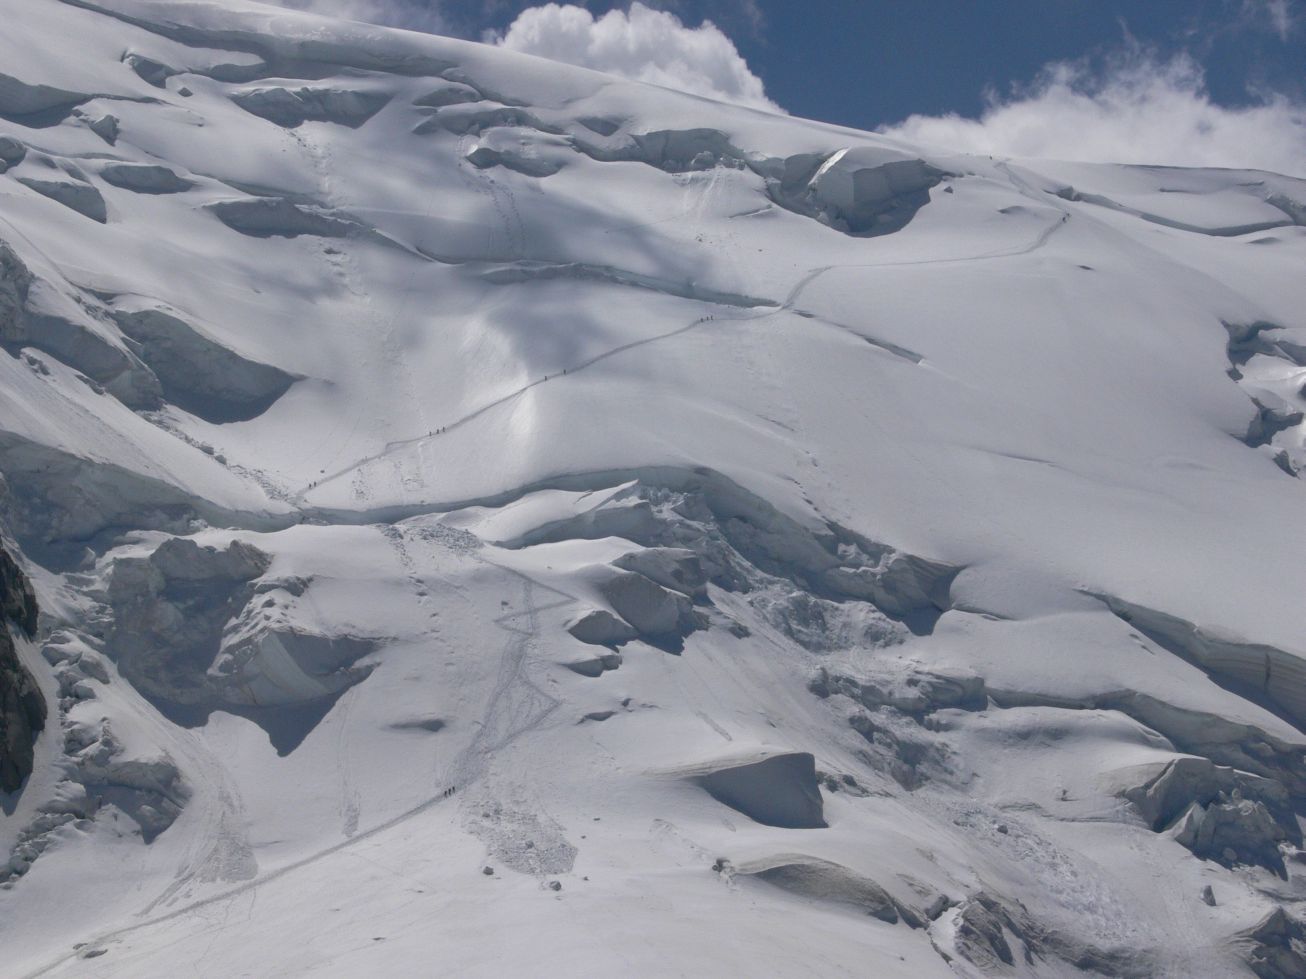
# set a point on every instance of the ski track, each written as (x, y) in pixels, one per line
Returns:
(503, 722)
(787, 306)
(496, 731)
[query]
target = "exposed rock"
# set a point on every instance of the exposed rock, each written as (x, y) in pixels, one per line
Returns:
(272, 217)
(1272, 677)
(22, 707)
(197, 373)
(151, 792)
(32, 314)
(983, 926)
(822, 625)
(632, 519)
(1276, 947)
(870, 190)
(822, 880)
(153, 72)
(485, 156)
(656, 614)
(451, 93)
(601, 628)
(474, 118)
(781, 790)
(996, 935)
(17, 600)
(18, 98)
(1233, 830)
(80, 197)
(681, 150)
(897, 583)
(676, 568)
(170, 612)
(12, 152)
(595, 666)
(103, 125)
(1213, 809)
(898, 748)
(144, 178)
(917, 693)
(186, 634)
(1225, 742)
(293, 107)
(864, 190)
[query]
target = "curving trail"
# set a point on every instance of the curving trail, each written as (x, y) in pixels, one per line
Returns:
(788, 305)
(513, 395)
(515, 706)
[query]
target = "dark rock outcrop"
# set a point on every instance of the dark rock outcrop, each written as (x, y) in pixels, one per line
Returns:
(600, 627)
(199, 374)
(676, 568)
(663, 618)
(144, 178)
(1220, 813)
(777, 791)
(80, 197)
(170, 612)
(12, 152)
(68, 332)
(1233, 830)
(996, 935)
(1276, 947)
(153, 72)
(917, 693)
(293, 107)
(273, 217)
(187, 635)
(821, 880)
(22, 708)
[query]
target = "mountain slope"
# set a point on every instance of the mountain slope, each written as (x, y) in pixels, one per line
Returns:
(763, 546)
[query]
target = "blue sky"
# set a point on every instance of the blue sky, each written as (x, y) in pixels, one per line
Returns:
(1196, 82)
(867, 63)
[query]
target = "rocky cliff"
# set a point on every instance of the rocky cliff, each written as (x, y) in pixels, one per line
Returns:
(22, 709)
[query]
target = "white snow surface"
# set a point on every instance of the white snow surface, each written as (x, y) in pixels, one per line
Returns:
(349, 370)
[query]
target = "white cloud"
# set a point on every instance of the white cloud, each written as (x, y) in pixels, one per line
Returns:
(641, 44)
(1278, 13)
(1139, 110)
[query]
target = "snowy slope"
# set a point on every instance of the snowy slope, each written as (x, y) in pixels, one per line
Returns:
(767, 547)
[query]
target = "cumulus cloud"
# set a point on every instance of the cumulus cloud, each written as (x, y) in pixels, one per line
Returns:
(641, 44)
(1139, 109)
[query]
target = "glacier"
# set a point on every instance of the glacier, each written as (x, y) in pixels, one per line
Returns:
(488, 517)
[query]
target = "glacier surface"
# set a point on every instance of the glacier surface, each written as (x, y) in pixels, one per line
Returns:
(492, 518)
